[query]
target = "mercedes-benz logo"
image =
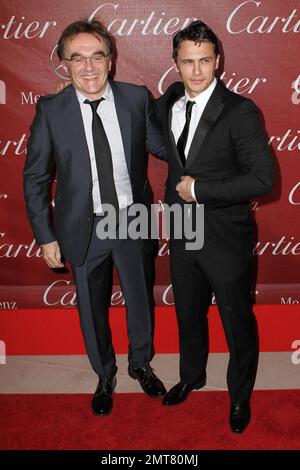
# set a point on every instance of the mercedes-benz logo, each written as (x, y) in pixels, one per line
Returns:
(56, 65)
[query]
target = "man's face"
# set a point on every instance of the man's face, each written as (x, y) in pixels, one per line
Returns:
(196, 65)
(89, 77)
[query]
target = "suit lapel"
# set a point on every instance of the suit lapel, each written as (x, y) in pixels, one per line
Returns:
(74, 127)
(124, 118)
(171, 99)
(210, 115)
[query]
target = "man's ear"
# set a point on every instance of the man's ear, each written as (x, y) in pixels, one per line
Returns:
(217, 62)
(175, 66)
(65, 68)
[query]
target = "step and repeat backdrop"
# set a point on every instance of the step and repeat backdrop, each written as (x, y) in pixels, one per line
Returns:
(260, 41)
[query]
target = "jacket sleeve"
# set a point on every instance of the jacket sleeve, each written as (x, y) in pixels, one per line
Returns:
(154, 139)
(256, 170)
(38, 172)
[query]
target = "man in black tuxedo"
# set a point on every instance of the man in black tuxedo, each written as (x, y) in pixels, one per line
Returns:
(218, 156)
(96, 133)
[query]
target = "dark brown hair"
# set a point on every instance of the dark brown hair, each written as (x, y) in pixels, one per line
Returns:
(198, 32)
(84, 26)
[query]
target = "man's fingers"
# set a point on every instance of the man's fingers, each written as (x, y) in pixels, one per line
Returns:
(58, 259)
(53, 262)
(179, 185)
(180, 189)
(52, 256)
(61, 86)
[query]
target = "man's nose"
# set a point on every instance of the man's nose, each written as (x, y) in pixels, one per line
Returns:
(88, 63)
(197, 68)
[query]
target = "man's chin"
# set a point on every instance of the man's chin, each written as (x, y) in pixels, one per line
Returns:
(92, 90)
(197, 89)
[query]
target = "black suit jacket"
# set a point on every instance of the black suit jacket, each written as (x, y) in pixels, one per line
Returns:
(230, 160)
(58, 140)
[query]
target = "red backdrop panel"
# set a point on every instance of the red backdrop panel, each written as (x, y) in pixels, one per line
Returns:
(261, 45)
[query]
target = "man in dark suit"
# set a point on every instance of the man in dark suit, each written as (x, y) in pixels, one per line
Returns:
(218, 156)
(96, 133)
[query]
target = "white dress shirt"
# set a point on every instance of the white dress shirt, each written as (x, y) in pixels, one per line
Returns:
(107, 112)
(178, 117)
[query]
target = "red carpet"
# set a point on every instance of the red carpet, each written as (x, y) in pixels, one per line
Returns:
(38, 331)
(137, 422)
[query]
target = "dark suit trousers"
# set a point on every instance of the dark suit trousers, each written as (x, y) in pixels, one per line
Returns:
(93, 283)
(195, 274)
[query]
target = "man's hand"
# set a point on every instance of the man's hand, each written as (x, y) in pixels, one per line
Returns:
(62, 86)
(51, 254)
(184, 188)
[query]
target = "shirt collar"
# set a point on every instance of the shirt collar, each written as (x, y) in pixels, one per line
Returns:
(201, 99)
(107, 95)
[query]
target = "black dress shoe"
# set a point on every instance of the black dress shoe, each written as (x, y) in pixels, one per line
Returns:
(149, 382)
(180, 392)
(102, 401)
(239, 417)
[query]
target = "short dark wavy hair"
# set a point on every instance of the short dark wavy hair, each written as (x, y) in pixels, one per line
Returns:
(84, 26)
(198, 32)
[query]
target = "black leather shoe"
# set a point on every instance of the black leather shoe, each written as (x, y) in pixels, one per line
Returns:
(102, 401)
(180, 392)
(239, 417)
(149, 382)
